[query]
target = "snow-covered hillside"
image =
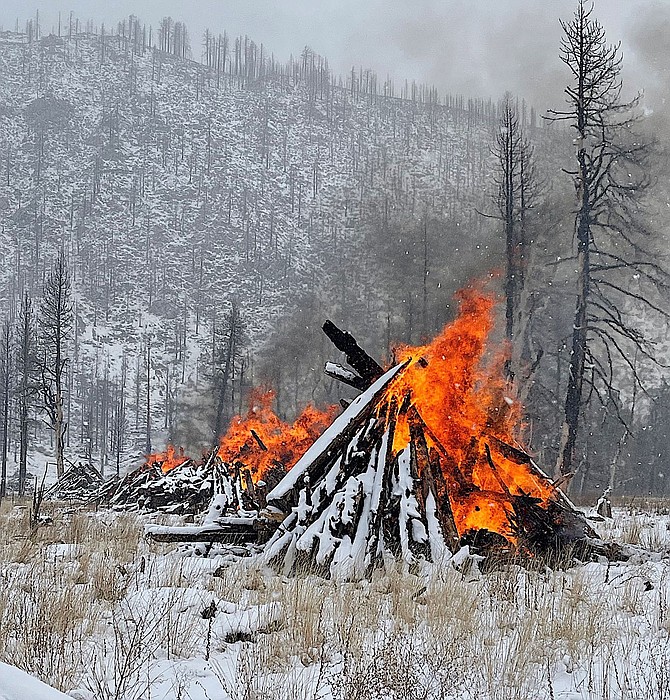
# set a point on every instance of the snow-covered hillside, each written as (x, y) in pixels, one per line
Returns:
(177, 190)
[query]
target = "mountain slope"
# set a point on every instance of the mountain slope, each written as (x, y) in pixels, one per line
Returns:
(176, 190)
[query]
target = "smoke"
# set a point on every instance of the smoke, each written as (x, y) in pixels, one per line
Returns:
(649, 41)
(474, 48)
(486, 47)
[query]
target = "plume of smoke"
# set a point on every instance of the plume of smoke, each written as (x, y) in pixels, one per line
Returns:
(649, 40)
(473, 47)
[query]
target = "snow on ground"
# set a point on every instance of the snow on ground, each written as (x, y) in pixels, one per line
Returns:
(94, 610)
(18, 685)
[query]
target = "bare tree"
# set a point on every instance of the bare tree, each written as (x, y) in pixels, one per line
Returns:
(147, 368)
(226, 351)
(55, 327)
(119, 420)
(25, 381)
(517, 190)
(173, 38)
(609, 178)
(6, 374)
(165, 30)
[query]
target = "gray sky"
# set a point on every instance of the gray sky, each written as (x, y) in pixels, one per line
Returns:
(474, 47)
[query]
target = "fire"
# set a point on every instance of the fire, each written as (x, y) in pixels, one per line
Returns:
(261, 440)
(465, 411)
(450, 408)
(455, 396)
(168, 460)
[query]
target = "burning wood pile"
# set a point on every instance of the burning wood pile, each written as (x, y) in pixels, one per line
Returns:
(169, 482)
(250, 457)
(423, 462)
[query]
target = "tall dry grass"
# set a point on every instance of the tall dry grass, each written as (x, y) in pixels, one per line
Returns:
(106, 613)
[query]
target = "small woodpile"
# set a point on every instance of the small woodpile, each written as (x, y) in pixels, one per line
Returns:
(79, 482)
(172, 483)
(419, 465)
(185, 489)
(234, 506)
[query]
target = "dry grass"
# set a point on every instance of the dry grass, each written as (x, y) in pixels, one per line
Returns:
(104, 611)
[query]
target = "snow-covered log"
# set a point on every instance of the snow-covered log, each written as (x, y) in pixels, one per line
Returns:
(229, 529)
(344, 375)
(335, 437)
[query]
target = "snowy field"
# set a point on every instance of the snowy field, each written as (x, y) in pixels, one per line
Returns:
(91, 609)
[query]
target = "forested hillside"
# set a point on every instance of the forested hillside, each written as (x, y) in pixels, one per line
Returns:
(180, 189)
(215, 206)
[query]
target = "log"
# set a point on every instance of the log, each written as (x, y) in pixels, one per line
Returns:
(344, 375)
(261, 489)
(232, 530)
(388, 512)
(432, 480)
(257, 438)
(368, 369)
(321, 455)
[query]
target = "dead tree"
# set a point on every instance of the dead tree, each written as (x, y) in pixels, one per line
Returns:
(515, 196)
(119, 420)
(147, 369)
(56, 321)
(225, 355)
(609, 177)
(26, 381)
(165, 32)
(6, 368)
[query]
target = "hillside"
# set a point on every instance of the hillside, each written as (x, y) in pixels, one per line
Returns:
(178, 189)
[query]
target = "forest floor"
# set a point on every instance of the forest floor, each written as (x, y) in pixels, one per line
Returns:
(91, 608)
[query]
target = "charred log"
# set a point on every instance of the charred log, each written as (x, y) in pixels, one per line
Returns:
(368, 369)
(344, 375)
(433, 492)
(229, 530)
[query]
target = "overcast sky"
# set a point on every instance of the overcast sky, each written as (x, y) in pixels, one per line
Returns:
(474, 47)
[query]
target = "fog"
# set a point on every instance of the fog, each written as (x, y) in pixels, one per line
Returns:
(473, 47)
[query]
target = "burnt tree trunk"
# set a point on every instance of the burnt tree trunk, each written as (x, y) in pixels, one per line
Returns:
(6, 359)
(573, 397)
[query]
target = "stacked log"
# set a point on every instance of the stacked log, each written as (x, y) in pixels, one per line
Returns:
(186, 489)
(378, 485)
(79, 482)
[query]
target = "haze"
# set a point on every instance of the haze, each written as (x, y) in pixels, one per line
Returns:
(472, 47)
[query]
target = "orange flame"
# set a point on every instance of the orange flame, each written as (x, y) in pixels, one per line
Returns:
(463, 408)
(171, 458)
(446, 399)
(261, 440)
